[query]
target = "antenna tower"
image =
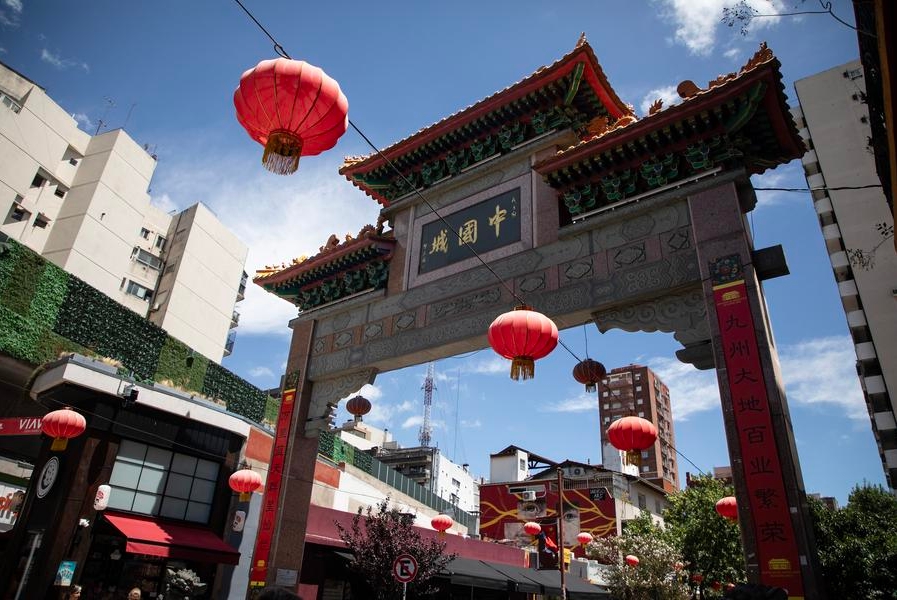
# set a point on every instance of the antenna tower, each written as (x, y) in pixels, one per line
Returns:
(428, 387)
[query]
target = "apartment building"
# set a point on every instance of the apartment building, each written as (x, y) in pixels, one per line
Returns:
(857, 230)
(82, 201)
(635, 390)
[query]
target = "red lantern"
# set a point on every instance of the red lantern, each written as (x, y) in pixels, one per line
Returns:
(63, 425)
(697, 578)
(245, 481)
(441, 523)
(358, 406)
(631, 560)
(730, 586)
(589, 372)
(716, 585)
(293, 109)
(532, 528)
(728, 508)
(632, 435)
(584, 537)
(524, 336)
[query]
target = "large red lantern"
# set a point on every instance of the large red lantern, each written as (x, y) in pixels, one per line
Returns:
(632, 435)
(358, 406)
(62, 425)
(245, 481)
(441, 523)
(524, 336)
(727, 508)
(293, 109)
(584, 537)
(632, 560)
(532, 528)
(589, 372)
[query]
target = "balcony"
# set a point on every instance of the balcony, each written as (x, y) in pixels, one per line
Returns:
(824, 206)
(229, 344)
(856, 318)
(865, 351)
(816, 181)
(234, 319)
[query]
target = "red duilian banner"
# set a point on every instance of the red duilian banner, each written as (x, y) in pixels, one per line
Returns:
(777, 550)
(268, 517)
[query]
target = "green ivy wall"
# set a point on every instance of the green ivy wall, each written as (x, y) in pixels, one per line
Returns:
(45, 312)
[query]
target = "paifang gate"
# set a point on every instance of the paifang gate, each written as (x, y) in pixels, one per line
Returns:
(591, 215)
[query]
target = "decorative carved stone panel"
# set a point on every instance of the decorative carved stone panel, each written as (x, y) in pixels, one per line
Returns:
(326, 394)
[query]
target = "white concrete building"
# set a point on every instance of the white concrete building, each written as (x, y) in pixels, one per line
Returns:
(857, 229)
(82, 202)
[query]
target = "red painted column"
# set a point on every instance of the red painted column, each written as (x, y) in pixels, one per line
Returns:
(776, 529)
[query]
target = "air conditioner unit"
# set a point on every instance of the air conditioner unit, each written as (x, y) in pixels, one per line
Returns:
(528, 495)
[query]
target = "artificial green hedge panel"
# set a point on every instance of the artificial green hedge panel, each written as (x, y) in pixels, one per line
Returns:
(93, 319)
(181, 366)
(241, 396)
(49, 294)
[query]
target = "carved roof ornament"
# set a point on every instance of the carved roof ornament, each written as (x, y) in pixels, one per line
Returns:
(582, 40)
(687, 89)
(331, 246)
(656, 106)
(763, 55)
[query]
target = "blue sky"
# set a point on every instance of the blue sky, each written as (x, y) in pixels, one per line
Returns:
(166, 71)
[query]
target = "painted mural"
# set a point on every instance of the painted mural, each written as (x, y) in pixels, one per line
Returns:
(505, 507)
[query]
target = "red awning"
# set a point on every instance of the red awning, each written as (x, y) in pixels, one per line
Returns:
(147, 535)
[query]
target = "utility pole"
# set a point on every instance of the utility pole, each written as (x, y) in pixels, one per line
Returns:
(561, 549)
(428, 387)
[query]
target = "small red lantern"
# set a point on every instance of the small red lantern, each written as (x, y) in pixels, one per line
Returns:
(631, 560)
(730, 586)
(524, 336)
(728, 508)
(589, 372)
(441, 523)
(63, 425)
(584, 537)
(293, 109)
(532, 528)
(245, 481)
(632, 435)
(697, 578)
(358, 406)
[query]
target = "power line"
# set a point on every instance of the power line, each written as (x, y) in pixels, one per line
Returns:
(819, 189)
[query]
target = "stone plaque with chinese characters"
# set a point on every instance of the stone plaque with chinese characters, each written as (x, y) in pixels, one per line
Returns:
(482, 227)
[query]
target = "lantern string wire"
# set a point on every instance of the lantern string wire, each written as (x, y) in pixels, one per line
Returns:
(279, 49)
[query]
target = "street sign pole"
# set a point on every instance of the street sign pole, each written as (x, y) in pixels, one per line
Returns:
(404, 589)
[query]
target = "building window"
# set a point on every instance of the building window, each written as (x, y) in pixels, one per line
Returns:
(455, 482)
(606, 405)
(642, 501)
(135, 289)
(17, 212)
(641, 413)
(158, 482)
(854, 73)
(160, 242)
(60, 192)
(638, 388)
(639, 401)
(144, 233)
(645, 468)
(41, 220)
(644, 454)
(38, 181)
(638, 376)
(144, 257)
(10, 103)
(522, 465)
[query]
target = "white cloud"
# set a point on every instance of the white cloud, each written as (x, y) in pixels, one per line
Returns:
(492, 366)
(413, 421)
(696, 21)
(822, 371)
(732, 53)
(278, 218)
(83, 121)
(787, 176)
(818, 371)
(261, 372)
(2, 50)
(62, 63)
(668, 94)
(585, 402)
(474, 424)
(164, 203)
(12, 16)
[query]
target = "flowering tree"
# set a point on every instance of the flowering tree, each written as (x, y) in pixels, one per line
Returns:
(378, 538)
(655, 577)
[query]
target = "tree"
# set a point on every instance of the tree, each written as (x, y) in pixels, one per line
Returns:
(655, 577)
(857, 544)
(378, 538)
(710, 544)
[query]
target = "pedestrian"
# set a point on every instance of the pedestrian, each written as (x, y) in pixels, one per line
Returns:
(74, 593)
(135, 594)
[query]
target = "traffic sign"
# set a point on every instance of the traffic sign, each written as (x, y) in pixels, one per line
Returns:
(404, 568)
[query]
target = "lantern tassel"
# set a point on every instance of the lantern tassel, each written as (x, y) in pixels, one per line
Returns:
(634, 457)
(590, 387)
(59, 444)
(282, 152)
(245, 496)
(523, 367)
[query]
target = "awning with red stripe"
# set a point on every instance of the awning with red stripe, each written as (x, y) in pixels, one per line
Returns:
(146, 535)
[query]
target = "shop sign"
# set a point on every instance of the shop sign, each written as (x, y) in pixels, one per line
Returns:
(65, 573)
(47, 477)
(20, 426)
(11, 500)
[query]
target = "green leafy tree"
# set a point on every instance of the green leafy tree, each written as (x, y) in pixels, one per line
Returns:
(709, 544)
(857, 544)
(377, 538)
(655, 577)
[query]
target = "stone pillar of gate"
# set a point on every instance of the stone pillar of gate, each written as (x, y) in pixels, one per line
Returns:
(724, 252)
(315, 403)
